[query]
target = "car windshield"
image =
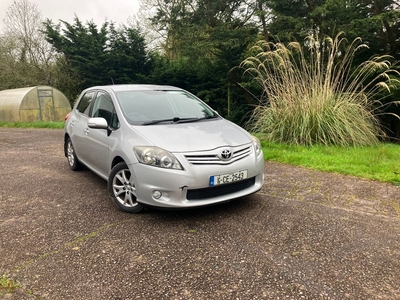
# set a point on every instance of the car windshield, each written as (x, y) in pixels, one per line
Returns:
(158, 107)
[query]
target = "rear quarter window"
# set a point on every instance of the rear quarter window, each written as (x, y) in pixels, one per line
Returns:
(84, 104)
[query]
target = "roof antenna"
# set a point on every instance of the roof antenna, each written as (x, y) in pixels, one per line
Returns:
(112, 80)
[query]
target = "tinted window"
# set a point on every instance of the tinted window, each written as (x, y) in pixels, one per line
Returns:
(84, 105)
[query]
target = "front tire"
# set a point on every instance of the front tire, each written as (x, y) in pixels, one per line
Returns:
(73, 161)
(122, 190)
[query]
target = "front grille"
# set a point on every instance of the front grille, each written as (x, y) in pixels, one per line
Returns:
(222, 190)
(211, 157)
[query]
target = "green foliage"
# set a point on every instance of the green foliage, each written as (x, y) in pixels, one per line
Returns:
(206, 81)
(204, 29)
(98, 56)
(376, 22)
(51, 125)
(320, 99)
(379, 162)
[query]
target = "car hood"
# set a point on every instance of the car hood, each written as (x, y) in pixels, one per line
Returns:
(198, 136)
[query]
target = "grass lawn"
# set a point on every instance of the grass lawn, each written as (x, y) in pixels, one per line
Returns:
(380, 162)
(54, 125)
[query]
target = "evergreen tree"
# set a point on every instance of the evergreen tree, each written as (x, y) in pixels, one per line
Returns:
(100, 56)
(376, 22)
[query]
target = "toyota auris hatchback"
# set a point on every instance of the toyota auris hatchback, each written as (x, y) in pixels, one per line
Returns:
(161, 146)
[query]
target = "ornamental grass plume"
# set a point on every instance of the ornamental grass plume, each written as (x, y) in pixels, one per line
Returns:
(317, 96)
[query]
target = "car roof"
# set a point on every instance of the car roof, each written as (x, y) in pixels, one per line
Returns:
(137, 87)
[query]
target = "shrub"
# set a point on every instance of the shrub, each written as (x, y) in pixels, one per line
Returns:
(315, 96)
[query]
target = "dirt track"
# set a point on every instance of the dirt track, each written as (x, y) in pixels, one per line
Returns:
(306, 235)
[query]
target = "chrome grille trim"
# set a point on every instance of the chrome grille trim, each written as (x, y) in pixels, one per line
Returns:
(211, 157)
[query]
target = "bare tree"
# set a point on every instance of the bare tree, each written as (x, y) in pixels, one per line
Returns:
(26, 58)
(157, 37)
(23, 24)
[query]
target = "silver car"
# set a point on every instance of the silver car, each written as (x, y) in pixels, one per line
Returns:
(161, 146)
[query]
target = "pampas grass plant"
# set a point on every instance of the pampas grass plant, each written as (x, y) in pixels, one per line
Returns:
(316, 96)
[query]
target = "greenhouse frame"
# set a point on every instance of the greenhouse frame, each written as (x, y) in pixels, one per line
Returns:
(33, 104)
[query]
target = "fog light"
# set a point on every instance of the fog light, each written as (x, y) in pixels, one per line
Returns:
(157, 194)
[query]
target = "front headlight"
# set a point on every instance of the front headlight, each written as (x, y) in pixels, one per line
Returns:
(257, 145)
(157, 157)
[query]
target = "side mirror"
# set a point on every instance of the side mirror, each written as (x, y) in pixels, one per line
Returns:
(98, 123)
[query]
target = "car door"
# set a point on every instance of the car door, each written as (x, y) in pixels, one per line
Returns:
(97, 141)
(78, 124)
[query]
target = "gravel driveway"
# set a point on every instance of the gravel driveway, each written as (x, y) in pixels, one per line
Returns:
(306, 235)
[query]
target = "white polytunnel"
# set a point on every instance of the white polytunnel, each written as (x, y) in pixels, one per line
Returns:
(33, 104)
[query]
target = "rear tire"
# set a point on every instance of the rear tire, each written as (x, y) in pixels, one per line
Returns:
(73, 161)
(122, 190)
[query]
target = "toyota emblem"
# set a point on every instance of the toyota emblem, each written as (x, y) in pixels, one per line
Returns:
(226, 154)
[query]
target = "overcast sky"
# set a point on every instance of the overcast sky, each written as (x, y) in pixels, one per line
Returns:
(117, 11)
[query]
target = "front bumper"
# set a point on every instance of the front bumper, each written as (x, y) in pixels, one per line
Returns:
(190, 187)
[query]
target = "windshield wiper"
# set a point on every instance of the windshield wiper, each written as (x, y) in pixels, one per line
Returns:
(197, 119)
(174, 120)
(178, 120)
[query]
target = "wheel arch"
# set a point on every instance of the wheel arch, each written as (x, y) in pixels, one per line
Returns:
(116, 161)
